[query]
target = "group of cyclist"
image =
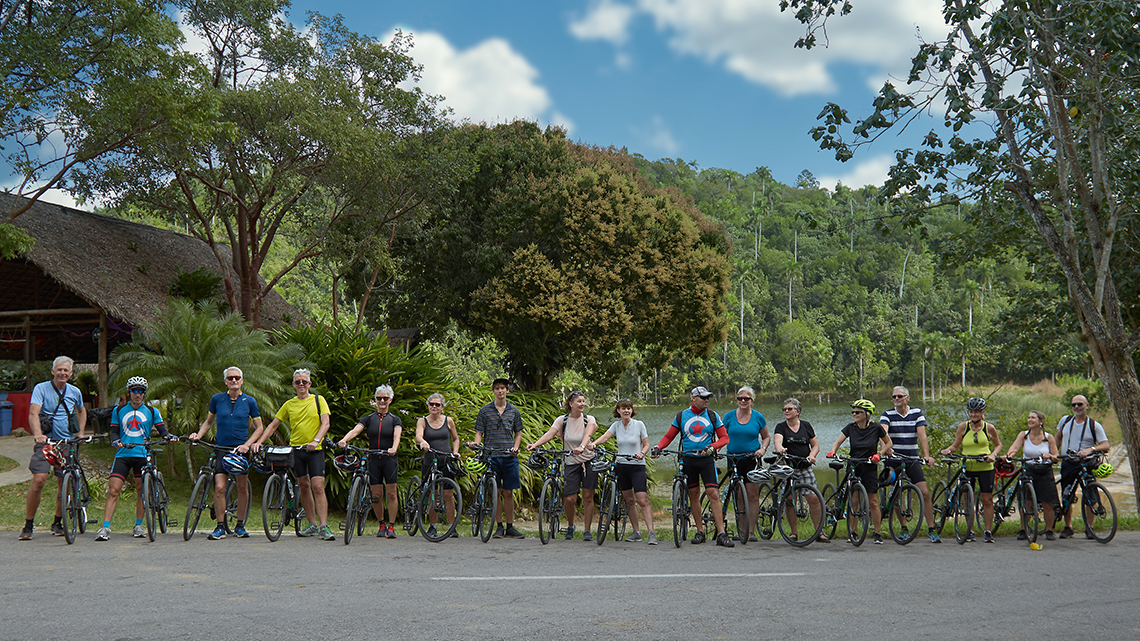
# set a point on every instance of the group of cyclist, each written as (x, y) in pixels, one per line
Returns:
(899, 432)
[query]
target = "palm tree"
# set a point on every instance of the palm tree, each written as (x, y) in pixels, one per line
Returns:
(184, 354)
(862, 346)
(972, 290)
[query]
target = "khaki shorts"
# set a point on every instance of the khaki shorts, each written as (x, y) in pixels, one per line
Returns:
(39, 464)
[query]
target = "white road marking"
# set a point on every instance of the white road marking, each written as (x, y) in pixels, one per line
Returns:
(594, 577)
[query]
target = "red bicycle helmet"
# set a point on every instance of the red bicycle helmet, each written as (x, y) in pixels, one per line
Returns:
(54, 456)
(1004, 469)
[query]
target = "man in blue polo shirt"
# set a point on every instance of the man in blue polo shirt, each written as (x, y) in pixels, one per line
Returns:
(234, 412)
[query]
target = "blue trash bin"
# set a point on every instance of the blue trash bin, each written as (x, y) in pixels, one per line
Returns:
(6, 417)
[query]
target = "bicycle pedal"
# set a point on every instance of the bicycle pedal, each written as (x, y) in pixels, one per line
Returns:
(341, 527)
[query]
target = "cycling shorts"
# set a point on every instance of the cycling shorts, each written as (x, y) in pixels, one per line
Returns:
(382, 469)
(125, 466)
(985, 480)
(697, 468)
(306, 463)
(631, 477)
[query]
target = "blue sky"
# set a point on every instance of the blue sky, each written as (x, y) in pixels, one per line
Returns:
(715, 82)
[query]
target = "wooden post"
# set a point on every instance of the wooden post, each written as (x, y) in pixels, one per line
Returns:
(29, 354)
(102, 374)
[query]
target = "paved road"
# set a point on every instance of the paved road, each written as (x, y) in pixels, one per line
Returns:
(507, 589)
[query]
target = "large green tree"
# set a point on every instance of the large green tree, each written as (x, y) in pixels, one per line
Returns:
(567, 257)
(1055, 85)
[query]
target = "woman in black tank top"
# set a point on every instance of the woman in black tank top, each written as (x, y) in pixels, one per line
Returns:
(437, 432)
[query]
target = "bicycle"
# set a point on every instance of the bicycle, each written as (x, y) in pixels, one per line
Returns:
(735, 499)
(786, 503)
(550, 498)
(847, 500)
(280, 501)
(155, 499)
(900, 501)
(1021, 489)
(955, 497)
(433, 499)
(613, 507)
(485, 498)
(1098, 509)
(359, 488)
(76, 493)
(204, 488)
(680, 507)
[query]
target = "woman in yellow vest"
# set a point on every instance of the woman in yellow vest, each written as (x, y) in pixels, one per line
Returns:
(976, 437)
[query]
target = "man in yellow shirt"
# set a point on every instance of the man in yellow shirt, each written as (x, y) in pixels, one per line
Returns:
(308, 417)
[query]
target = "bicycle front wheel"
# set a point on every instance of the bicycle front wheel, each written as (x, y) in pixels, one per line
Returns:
(411, 505)
(434, 499)
(798, 502)
(766, 512)
(149, 504)
(1027, 506)
(962, 507)
(352, 511)
(162, 503)
(830, 512)
(71, 509)
(858, 515)
(273, 507)
(1099, 512)
(680, 512)
(739, 497)
(608, 511)
(904, 515)
(545, 498)
(230, 513)
(83, 500)
(490, 507)
(196, 505)
(939, 502)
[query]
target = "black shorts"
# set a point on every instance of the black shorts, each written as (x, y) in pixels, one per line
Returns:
(913, 470)
(382, 469)
(124, 466)
(868, 474)
(446, 467)
(985, 480)
(745, 465)
(698, 468)
(631, 477)
(579, 476)
(1044, 486)
(1069, 473)
(306, 463)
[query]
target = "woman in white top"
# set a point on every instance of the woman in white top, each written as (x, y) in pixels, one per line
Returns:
(1036, 443)
(632, 440)
(575, 428)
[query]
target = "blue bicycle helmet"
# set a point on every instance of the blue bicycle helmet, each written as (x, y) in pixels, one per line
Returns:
(234, 463)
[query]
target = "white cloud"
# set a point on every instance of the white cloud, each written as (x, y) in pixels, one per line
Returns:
(604, 20)
(753, 39)
(657, 136)
(872, 171)
(489, 82)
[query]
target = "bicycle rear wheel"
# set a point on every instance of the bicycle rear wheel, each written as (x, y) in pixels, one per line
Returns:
(904, 515)
(740, 511)
(490, 507)
(84, 499)
(352, 511)
(939, 500)
(230, 513)
(196, 505)
(149, 504)
(411, 504)
(273, 507)
(830, 512)
(71, 513)
(858, 515)
(680, 512)
(1027, 506)
(1099, 512)
(608, 510)
(962, 506)
(766, 513)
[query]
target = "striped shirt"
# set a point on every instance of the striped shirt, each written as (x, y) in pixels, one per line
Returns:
(498, 430)
(903, 430)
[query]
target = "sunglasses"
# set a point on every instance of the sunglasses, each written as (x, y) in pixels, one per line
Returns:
(433, 404)
(789, 409)
(138, 391)
(233, 378)
(741, 399)
(975, 437)
(302, 382)
(899, 396)
(856, 412)
(382, 398)
(1078, 404)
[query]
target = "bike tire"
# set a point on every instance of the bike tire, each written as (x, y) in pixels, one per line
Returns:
(84, 500)
(162, 516)
(608, 510)
(706, 519)
(830, 512)
(1030, 516)
(148, 505)
(962, 505)
(230, 513)
(544, 497)
(434, 498)
(1096, 500)
(740, 511)
(906, 509)
(766, 513)
(196, 506)
(299, 518)
(939, 502)
(680, 512)
(490, 507)
(798, 496)
(858, 515)
(621, 522)
(71, 514)
(274, 510)
(352, 513)
(411, 505)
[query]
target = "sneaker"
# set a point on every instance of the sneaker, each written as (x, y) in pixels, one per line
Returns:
(570, 533)
(1021, 536)
(752, 538)
(57, 529)
(309, 531)
(635, 537)
(970, 536)
(934, 538)
(140, 532)
(381, 532)
(698, 538)
(431, 531)
(498, 532)
(512, 533)
(724, 541)
(26, 534)
(586, 536)
(1089, 536)
(988, 536)
(218, 533)
(104, 534)
(240, 531)
(1066, 533)
(454, 534)
(878, 538)
(652, 538)
(389, 532)
(326, 534)
(905, 532)
(1049, 536)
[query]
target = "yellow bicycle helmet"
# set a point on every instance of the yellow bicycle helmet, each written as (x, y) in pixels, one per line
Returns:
(865, 405)
(475, 466)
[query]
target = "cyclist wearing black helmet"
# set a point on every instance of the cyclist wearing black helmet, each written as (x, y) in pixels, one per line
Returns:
(976, 437)
(866, 435)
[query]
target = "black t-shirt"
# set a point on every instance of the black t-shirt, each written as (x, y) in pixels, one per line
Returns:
(864, 442)
(797, 443)
(381, 432)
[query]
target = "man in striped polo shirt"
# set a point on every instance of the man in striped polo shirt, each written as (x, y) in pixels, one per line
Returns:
(907, 428)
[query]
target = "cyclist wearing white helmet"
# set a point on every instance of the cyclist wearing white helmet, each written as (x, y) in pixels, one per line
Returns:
(976, 437)
(130, 426)
(1081, 434)
(234, 413)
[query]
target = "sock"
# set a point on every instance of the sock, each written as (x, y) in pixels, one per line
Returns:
(137, 522)
(58, 521)
(27, 524)
(106, 524)
(240, 524)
